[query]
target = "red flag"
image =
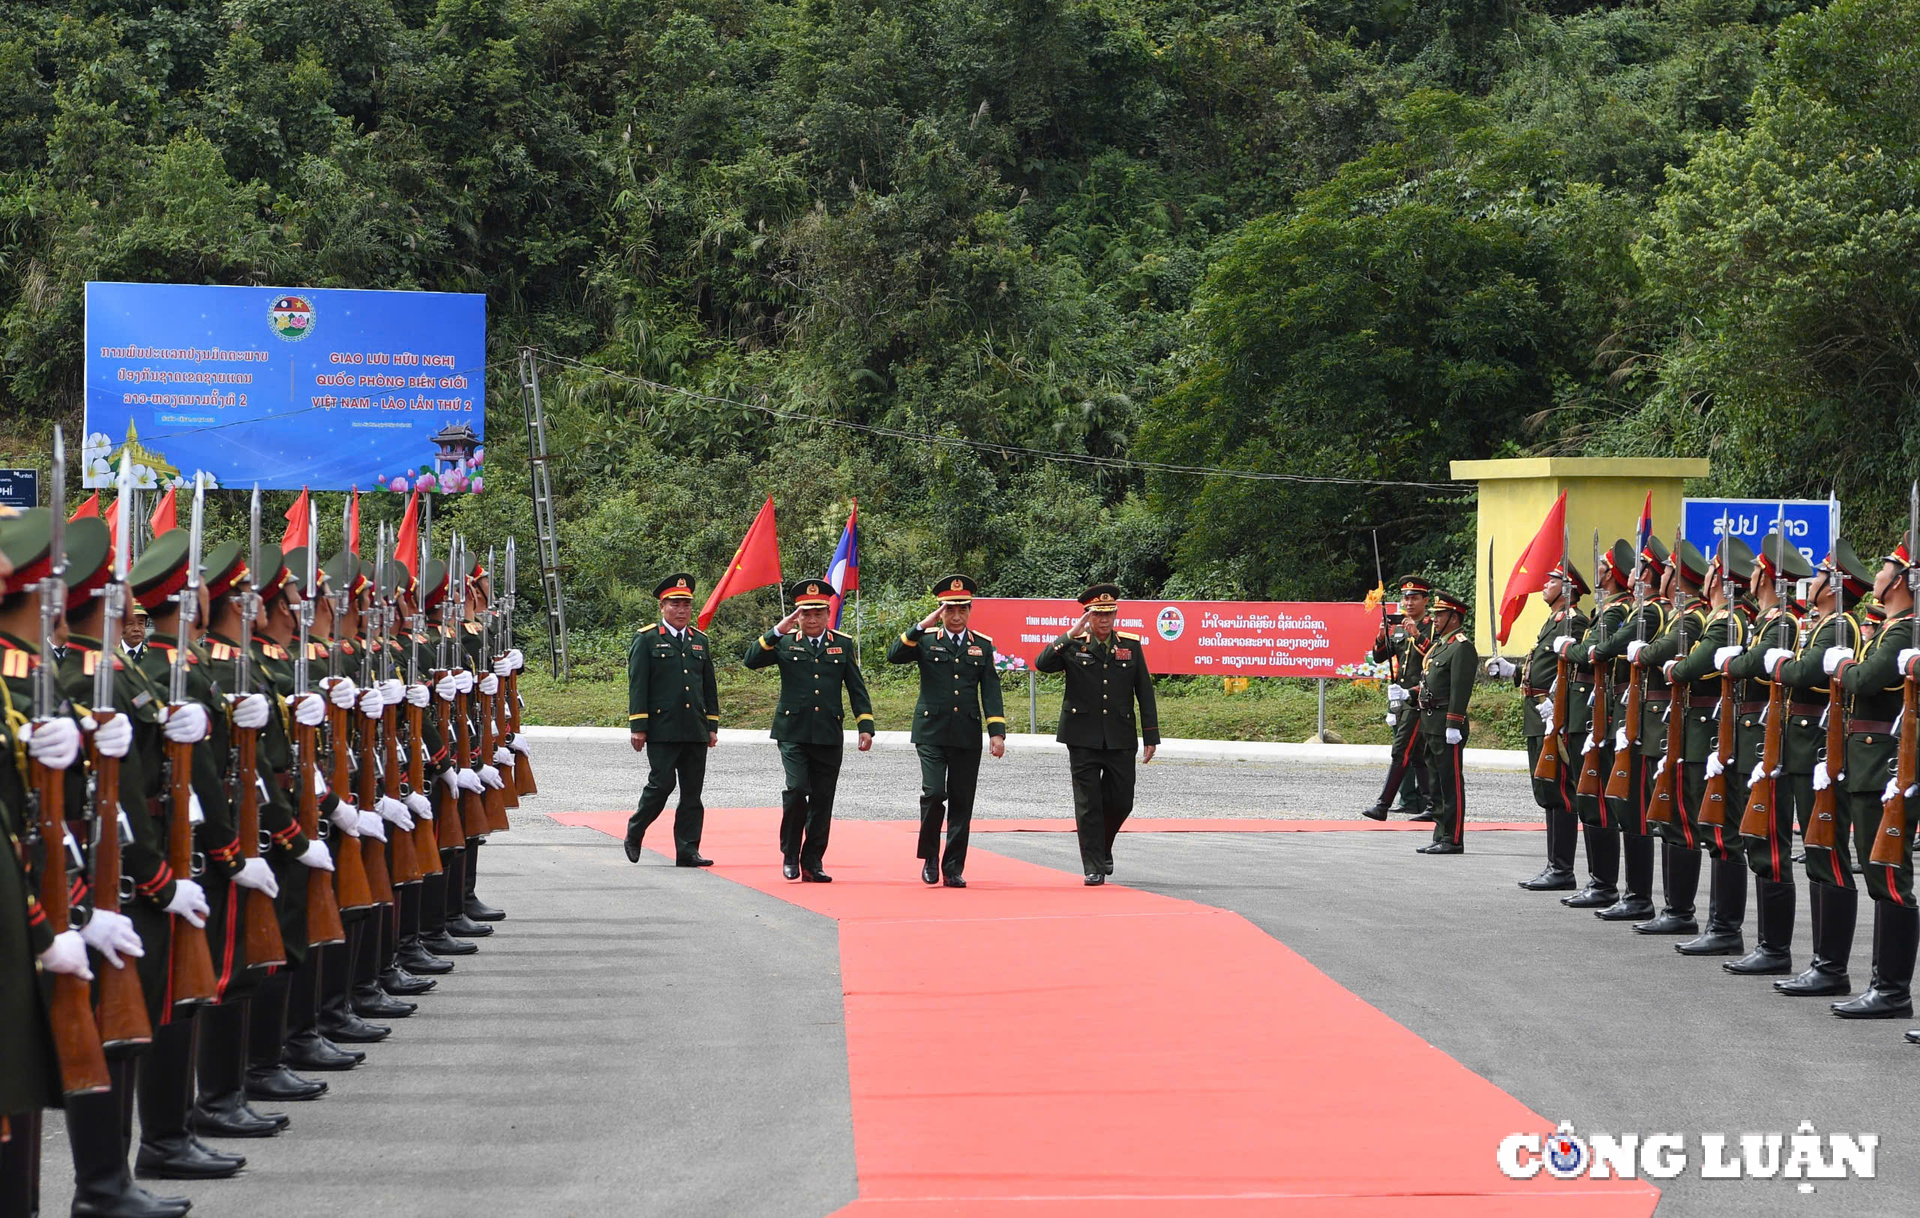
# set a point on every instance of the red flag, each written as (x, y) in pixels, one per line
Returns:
(162, 520)
(296, 534)
(1542, 554)
(755, 564)
(406, 547)
(353, 523)
(113, 531)
(90, 509)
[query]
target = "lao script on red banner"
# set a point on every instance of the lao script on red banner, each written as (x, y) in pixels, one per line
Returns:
(1235, 638)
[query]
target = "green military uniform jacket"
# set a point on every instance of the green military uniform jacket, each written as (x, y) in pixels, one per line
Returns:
(959, 687)
(1536, 676)
(273, 754)
(671, 693)
(1103, 682)
(1777, 627)
(1806, 674)
(1612, 613)
(1447, 684)
(1706, 634)
(28, 1078)
(1874, 682)
(1405, 651)
(1651, 622)
(217, 837)
(143, 851)
(811, 679)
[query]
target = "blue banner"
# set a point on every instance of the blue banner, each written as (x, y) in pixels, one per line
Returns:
(1812, 524)
(324, 388)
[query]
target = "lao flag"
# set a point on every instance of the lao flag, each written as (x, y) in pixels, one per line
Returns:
(844, 571)
(1645, 532)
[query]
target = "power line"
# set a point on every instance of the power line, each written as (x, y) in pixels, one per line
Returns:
(990, 446)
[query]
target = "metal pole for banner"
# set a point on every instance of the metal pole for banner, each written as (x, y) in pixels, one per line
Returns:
(1033, 702)
(1320, 734)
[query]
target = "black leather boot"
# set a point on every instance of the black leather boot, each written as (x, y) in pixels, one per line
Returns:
(1683, 884)
(1602, 888)
(401, 983)
(444, 944)
(102, 1185)
(416, 959)
(1896, 933)
(1726, 913)
(338, 1021)
(1636, 899)
(1834, 911)
(1774, 952)
(466, 928)
(309, 1050)
(222, 1110)
(165, 1094)
(372, 1002)
(268, 1077)
(476, 909)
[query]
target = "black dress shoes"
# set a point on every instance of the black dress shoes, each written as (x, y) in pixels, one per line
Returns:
(1550, 880)
(1442, 848)
(1913, 1037)
(815, 877)
(400, 982)
(1817, 982)
(1106, 868)
(633, 850)
(467, 928)
(1761, 961)
(954, 881)
(1877, 1004)
(130, 1201)
(281, 1085)
(184, 1158)
(1420, 818)
(1718, 941)
(234, 1119)
(929, 873)
(791, 869)
(1591, 898)
(1095, 879)
(1667, 924)
(416, 959)
(1376, 812)
(480, 911)
(693, 860)
(1629, 908)
(371, 1002)
(312, 1051)
(353, 1030)
(440, 943)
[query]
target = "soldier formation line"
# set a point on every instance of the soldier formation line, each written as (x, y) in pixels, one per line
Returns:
(221, 866)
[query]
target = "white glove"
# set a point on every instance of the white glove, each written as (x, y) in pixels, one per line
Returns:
(1544, 707)
(250, 712)
(1592, 745)
(317, 856)
(1820, 780)
(446, 687)
(393, 691)
(489, 685)
(54, 743)
(1834, 655)
(341, 690)
(468, 780)
(1724, 656)
(1634, 649)
(1660, 769)
(67, 954)
(1892, 789)
(196, 815)
(1666, 670)
(420, 806)
(394, 813)
(370, 826)
(502, 755)
(519, 742)
(112, 935)
(491, 777)
(1454, 736)
(463, 681)
(1563, 644)
(255, 874)
(1906, 658)
(1500, 666)
(1775, 657)
(1396, 694)
(189, 902)
(346, 818)
(1715, 767)
(1759, 772)
(309, 710)
(418, 695)
(371, 703)
(114, 739)
(515, 661)
(501, 668)
(1393, 720)
(1620, 740)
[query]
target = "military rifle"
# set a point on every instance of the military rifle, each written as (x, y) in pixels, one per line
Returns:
(450, 834)
(260, 923)
(323, 906)
(1620, 782)
(400, 842)
(1890, 838)
(504, 797)
(1593, 776)
(473, 808)
(522, 763)
(1667, 787)
(1820, 822)
(1713, 804)
(352, 881)
(1763, 796)
(192, 964)
(1547, 769)
(426, 846)
(373, 851)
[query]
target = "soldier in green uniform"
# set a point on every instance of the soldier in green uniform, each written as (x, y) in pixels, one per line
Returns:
(1402, 646)
(1833, 896)
(1875, 680)
(1106, 673)
(673, 712)
(1445, 688)
(816, 664)
(959, 691)
(1644, 619)
(1599, 825)
(1536, 677)
(1770, 857)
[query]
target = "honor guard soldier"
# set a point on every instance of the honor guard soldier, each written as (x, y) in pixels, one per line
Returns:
(1876, 682)
(959, 691)
(673, 712)
(1536, 677)
(1796, 737)
(1591, 757)
(1402, 646)
(1699, 629)
(1833, 895)
(1445, 687)
(1106, 673)
(816, 664)
(1645, 617)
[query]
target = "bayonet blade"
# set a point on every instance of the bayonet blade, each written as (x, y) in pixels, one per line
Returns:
(57, 540)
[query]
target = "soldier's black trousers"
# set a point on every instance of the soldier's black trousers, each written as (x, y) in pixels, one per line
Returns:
(948, 778)
(1449, 790)
(1556, 800)
(668, 762)
(1416, 786)
(1102, 801)
(1889, 885)
(806, 806)
(1771, 857)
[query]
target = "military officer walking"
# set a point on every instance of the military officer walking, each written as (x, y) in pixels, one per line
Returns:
(673, 712)
(816, 664)
(1444, 690)
(959, 692)
(1106, 673)
(1536, 677)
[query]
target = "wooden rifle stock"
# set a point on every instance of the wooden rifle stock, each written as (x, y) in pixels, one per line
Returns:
(76, 1038)
(1593, 775)
(1547, 769)
(495, 800)
(446, 818)
(1890, 839)
(426, 845)
(1821, 822)
(406, 868)
(351, 882)
(373, 851)
(1763, 799)
(1713, 804)
(191, 966)
(1620, 782)
(260, 923)
(122, 1005)
(473, 809)
(522, 764)
(323, 907)
(1663, 803)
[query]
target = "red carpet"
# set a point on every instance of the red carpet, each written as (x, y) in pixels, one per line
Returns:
(1229, 824)
(1030, 1046)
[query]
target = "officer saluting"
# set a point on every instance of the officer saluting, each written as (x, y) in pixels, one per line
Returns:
(1106, 671)
(1444, 690)
(673, 712)
(815, 665)
(959, 689)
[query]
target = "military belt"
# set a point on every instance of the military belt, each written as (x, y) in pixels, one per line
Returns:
(1750, 708)
(1878, 727)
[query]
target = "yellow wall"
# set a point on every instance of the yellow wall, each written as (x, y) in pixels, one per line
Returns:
(1602, 492)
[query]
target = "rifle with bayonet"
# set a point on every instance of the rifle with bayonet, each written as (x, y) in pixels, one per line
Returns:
(1713, 804)
(1547, 769)
(1620, 782)
(1593, 775)
(473, 808)
(491, 736)
(323, 905)
(1667, 787)
(449, 832)
(1821, 822)
(352, 883)
(259, 921)
(373, 851)
(426, 846)
(1763, 795)
(1890, 838)
(522, 763)
(192, 965)
(76, 1037)
(406, 867)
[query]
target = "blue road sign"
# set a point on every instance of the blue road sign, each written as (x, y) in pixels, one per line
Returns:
(1811, 523)
(20, 488)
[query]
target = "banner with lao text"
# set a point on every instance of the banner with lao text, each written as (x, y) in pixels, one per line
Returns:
(325, 388)
(1229, 638)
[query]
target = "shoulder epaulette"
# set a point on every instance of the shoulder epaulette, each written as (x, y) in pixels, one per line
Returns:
(987, 637)
(1129, 637)
(647, 627)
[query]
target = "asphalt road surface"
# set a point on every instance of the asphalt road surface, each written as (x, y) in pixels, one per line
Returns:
(654, 1041)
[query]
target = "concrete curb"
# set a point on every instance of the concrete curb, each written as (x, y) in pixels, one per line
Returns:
(1368, 756)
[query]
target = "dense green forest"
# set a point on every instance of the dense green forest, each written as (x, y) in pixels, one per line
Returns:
(1347, 239)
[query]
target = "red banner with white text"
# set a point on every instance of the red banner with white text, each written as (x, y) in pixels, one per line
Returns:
(1227, 638)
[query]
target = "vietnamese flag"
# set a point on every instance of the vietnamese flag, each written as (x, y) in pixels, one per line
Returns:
(406, 547)
(755, 564)
(296, 534)
(1541, 556)
(163, 519)
(353, 524)
(89, 510)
